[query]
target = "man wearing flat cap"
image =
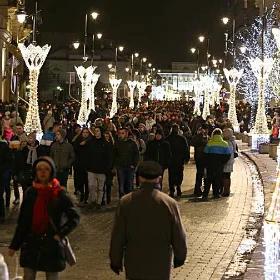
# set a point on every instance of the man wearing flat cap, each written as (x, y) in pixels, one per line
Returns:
(147, 229)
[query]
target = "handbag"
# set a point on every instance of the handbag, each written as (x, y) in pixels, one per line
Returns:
(67, 248)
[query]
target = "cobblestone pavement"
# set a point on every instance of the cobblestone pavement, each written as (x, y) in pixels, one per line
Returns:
(215, 229)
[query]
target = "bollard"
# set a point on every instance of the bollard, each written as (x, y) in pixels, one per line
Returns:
(4, 274)
(273, 151)
(264, 148)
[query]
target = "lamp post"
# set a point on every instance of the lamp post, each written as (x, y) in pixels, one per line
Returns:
(193, 51)
(133, 56)
(94, 16)
(117, 50)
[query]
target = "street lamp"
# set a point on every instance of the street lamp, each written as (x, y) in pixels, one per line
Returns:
(121, 48)
(201, 38)
(76, 45)
(110, 66)
(21, 15)
(220, 61)
(243, 49)
(144, 59)
(225, 20)
(94, 15)
(136, 55)
(99, 35)
(150, 65)
(193, 50)
(127, 69)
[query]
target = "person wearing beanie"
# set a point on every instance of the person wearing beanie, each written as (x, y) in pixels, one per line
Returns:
(46, 217)
(158, 150)
(63, 155)
(137, 240)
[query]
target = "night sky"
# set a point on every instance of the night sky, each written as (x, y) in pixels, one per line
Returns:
(162, 30)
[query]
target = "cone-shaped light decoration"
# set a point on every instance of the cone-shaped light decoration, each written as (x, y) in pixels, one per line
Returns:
(115, 83)
(85, 76)
(131, 85)
(34, 57)
(233, 76)
(261, 70)
(197, 87)
(94, 80)
(207, 83)
(141, 91)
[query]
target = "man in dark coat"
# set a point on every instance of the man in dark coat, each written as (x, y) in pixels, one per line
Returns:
(126, 157)
(158, 150)
(147, 229)
(199, 142)
(180, 154)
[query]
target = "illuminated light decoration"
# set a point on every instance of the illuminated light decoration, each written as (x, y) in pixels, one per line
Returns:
(131, 85)
(34, 57)
(115, 83)
(215, 96)
(85, 76)
(207, 85)
(250, 42)
(141, 91)
(94, 80)
(197, 87)
(233, 76)
(261, 69)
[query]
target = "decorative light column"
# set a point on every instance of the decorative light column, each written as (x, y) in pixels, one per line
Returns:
(207, 83)
(115, 83)
(131, 85)
(94, 80)
(85, 76)
(34, 57)
(233, 76)
(261, 69)
(197, 91)
(141, 91)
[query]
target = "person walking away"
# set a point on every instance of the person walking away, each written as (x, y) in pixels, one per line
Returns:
(158, 150)
(199, 141)
(100, 158)
(147, 229)
(180, 154)
(38, 240)
(126, 158)
(228, 168)
(63, 155)
(5, 177)
(217, 153)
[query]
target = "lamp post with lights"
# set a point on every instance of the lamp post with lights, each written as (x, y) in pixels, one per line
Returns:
(193, 51)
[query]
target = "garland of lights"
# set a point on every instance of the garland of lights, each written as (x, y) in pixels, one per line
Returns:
(131, 85)
(207, 85)
(197, 87)
(233, 76)
(94, 80)
(34, 57)
(85, 76)
(261, 70)
(141, 91)
(115, 83)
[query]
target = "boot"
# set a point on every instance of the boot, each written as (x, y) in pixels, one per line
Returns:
(226, 184)
(179, 191)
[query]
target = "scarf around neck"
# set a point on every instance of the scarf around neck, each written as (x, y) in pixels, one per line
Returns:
(45, 194)
(32, 154)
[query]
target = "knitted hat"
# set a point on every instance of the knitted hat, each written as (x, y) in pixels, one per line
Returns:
(47, 160)
(149, 170)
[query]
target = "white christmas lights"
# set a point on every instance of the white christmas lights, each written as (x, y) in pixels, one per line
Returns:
(197, 87)
(94, 80)
(85, 75)
(141, 91)
(233, 76)
(115, 83)
(34, 57)
(131, 85)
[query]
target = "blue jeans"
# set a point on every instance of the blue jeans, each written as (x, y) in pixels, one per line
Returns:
(125, 180)
(5, 179)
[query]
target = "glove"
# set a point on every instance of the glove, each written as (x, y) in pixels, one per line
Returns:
(117, 270)
(178, 263)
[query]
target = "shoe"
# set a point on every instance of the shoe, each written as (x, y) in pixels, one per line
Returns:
(216, 196)
(16, 201)
(197, 194)
(179, 192)
(204, 198)
(98, 206)
(225, 195)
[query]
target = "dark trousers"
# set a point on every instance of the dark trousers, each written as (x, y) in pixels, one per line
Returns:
(62, 177)
(16, 186)
(199, 177)
(125, 180)
(214, 177)
(5, 178)
(81, 177)
(175, 177)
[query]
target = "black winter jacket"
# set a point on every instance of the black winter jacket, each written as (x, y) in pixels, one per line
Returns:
(44, 253)
(158, 151)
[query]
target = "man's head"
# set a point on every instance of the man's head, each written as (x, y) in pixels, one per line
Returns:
(123, 133)
(19, 128)
(149, 172)
(159, 134)
(60, 135)
(97, 132)
(175, 129)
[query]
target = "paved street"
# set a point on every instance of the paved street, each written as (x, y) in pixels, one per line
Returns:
(214, 228)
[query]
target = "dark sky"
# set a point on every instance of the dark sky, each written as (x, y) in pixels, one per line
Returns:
(162, 30)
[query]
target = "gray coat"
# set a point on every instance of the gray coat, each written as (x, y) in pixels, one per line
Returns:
(147, 229)
(63, 155)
